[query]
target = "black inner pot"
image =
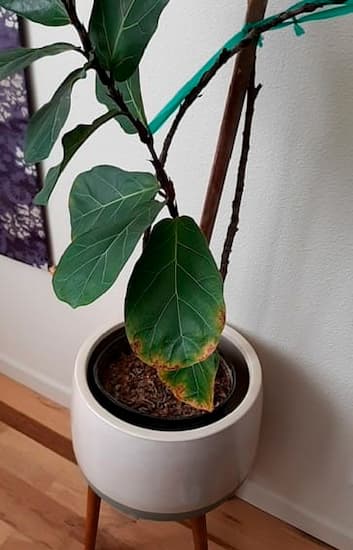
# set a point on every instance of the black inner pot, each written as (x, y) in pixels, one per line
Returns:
(109, 350)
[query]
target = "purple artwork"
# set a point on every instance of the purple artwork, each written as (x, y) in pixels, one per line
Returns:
(22, 225)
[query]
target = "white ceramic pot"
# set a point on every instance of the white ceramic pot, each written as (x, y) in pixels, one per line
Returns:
(166, 474)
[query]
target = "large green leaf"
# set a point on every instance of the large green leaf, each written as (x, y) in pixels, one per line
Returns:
(131, 92)
(194, 385)
(46, 124)
(120, 31)
(71, 141)
(47, 12)
(94, 260)
(174, 308)
(105, 194)
(12, 61)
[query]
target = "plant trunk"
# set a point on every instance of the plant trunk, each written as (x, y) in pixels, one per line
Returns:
(244, 66)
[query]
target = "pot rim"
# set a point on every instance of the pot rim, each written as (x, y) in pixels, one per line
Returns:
(254, 389)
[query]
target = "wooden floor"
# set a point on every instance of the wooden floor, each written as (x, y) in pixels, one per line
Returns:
(42, 495)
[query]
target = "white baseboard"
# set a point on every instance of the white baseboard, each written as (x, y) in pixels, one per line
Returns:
(36, 381)
(317, 526)
(252, 492)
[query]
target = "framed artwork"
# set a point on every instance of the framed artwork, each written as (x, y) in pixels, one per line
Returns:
(23, 226)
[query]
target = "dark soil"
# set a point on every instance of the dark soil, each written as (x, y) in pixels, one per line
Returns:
(137, 385)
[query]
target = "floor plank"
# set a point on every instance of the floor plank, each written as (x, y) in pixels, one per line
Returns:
(5, 532)
(34, 406)
(42, 495)
(235, 518)
(48, 473)
(49, 513)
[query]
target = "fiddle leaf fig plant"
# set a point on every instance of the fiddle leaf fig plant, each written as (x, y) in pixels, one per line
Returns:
(46, 12)
(174, 307)
(46, 124)
(17, 59)
(131, 94)
(72, 141)
(120, 30)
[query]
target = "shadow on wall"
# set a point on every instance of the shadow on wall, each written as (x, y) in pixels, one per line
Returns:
(285, 427)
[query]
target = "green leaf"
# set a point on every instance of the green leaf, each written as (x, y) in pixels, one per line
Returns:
(174, 308)
(120, 31)
(94, 260)
(12, 61)
(47, 12)
(46, 124)
(71, 141)
(131, 92)
(194, 385)
(105, 194)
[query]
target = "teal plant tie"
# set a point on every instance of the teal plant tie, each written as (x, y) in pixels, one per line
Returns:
(179, 97)
(326, 13)
(298, 29)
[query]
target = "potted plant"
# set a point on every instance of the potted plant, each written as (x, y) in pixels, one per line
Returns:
(173, 396)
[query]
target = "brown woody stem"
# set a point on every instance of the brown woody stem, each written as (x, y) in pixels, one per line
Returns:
(251, 37)
(143, 132)
(234, 221)
(243, 69)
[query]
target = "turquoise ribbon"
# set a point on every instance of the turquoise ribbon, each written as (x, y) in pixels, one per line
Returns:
(175, 102)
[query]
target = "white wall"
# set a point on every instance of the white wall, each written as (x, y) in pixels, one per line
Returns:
(290, 286)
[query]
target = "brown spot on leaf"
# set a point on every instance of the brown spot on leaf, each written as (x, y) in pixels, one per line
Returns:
(221, 318)
(162, 367)
(180, 392)
(136, 347)
(160, 363)
(202, 406)
(206, 351)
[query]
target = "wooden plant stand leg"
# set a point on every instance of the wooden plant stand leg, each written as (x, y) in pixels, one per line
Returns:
(92, 517)
(199, 531)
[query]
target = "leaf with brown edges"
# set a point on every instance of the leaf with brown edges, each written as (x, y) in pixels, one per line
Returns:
(174, 308)
(194, 385)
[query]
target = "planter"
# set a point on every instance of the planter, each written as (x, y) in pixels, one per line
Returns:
(165, 474)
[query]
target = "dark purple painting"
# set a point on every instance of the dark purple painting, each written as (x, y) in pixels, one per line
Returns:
(22, 225)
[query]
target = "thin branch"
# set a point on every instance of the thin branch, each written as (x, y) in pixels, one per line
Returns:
(146, 237)
(244, 66)
(234, 221)
(143, 132)
(145, 135)
(251, 37)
